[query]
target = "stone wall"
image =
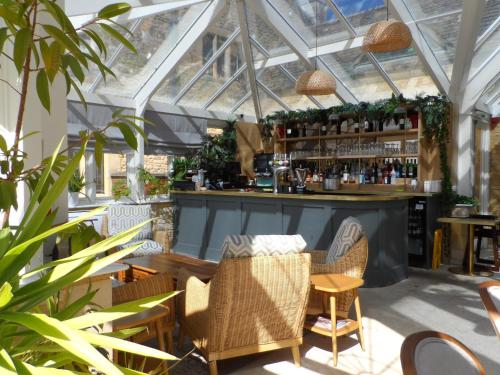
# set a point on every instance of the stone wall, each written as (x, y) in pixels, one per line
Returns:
(155, 164)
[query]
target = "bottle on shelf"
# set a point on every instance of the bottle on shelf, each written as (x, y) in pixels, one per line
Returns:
(415, 168)
(345, 175)
(367, 174)
(373, 176)
(289, 131)
(409, 168)
(393, 175)
(381, 125)
(403, 169)
(323, 129)
(339, 128)
(356, 128)
(361, 178)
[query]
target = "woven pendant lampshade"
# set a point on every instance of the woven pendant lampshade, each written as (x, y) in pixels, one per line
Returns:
(387, 36)
(315, 82)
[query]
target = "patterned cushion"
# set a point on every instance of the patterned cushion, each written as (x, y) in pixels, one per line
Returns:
(149, 247)
(349, 233)
(236, 246)
(125, 216)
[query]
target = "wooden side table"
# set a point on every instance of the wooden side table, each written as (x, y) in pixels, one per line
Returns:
(331, 284)
(155, 316)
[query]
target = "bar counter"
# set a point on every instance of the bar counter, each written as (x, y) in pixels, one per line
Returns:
(203, 219)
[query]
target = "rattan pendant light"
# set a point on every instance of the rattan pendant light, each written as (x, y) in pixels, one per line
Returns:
(387, 36)
(315, 82)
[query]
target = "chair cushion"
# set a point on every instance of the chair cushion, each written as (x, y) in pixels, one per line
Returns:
(149, 247)
(349, 232)
(494, 292)
(236, 246)
(125, 216)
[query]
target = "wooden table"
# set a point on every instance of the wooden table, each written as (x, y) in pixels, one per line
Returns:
(470, 222)
(155, 316)
(146, 266)
(331, 284)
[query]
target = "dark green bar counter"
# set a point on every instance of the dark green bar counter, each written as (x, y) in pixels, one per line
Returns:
(203, 219)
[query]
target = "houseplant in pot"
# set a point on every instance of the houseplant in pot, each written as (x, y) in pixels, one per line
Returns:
(40, 331)
(75, 186)
(463, 206)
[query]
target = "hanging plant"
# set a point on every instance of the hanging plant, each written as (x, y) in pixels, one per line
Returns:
(435, 111)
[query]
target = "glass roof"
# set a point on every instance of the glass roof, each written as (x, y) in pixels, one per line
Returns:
(200, 50)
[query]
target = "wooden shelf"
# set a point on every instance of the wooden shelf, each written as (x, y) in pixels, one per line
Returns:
(388, 133)
(358, 157)
(348, 325)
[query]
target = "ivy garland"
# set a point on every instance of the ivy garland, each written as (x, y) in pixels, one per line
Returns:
(435, 112)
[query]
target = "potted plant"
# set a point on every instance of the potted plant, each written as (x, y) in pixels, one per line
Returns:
(120, 189)
(464, 206)
(75, 186)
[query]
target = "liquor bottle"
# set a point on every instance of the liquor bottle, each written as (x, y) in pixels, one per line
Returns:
(323, 129)
(403, 169)
(393, 175)
(362, 176)
(380, 175)
(381, 125)
(373, 177)
(339, 128)
(367, 175)
(356, 128)
(401, 124)
(321, 176)
(410, 169)
(386, 174)
(315, 177)
(415, 168)
(345, 175)
(289, 132)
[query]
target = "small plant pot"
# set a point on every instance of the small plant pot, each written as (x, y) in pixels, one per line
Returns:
(462, 210)
(73, 198)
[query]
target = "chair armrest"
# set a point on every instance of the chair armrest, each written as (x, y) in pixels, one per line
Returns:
(161, 237)
(193, 306)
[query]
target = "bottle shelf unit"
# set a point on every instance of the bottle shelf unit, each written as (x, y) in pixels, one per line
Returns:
(388, 133)
(395, 156)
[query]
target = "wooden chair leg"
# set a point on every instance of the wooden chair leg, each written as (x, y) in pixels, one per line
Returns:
(170, 341)
(213, 367)
(361, 335)
(296, 355)
(161, 342)
(180, 341)
(333, 317)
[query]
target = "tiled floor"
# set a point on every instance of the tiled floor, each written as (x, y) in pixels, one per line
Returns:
(436, 300)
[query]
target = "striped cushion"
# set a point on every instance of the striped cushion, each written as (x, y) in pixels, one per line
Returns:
(125, 216)
(236, 246)
(349, 233)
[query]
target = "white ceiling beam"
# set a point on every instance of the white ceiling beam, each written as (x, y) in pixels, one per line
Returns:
(247, 51)
(482, 80)
(182, 47)
(466, 41)
(487, 33)
(107, 99)
(241, 101)
(136, 13)
(422, 48)
(274, 19)
(90, 7)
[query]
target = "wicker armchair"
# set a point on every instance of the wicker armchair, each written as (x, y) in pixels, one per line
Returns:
(252, 305)
(353, 263)
(148, 287)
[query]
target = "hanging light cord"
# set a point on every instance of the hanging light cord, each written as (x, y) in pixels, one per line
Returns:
(316, 26)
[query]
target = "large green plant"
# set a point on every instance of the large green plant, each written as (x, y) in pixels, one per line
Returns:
(39, 334)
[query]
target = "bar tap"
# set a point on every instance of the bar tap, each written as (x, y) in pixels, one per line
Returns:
(280, 164)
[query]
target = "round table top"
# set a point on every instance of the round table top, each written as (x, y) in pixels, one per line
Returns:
(142, 318)
(334, 282)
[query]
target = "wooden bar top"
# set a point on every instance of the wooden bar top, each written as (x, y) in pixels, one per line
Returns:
(312, 197)
(469, 221)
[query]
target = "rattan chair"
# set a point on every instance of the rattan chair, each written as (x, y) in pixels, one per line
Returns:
(490, 294)
(436, 353)
(252, 305)
(148, 287)
(353, 263)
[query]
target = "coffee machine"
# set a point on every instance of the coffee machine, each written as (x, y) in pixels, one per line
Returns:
(263, 171)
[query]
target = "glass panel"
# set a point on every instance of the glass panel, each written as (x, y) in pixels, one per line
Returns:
(441, 34)
(232, 95)
(296, 68)
(267, 104)
(247, 107)
(491, 13)
(279, 83)
(224, 67)
(201, 51)
(422, 9)
(265, 36)
(486, 50)
(111, 46)
(301, 14)
(406, 71)
(159, 32)
(363, 13)
(357, 72)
